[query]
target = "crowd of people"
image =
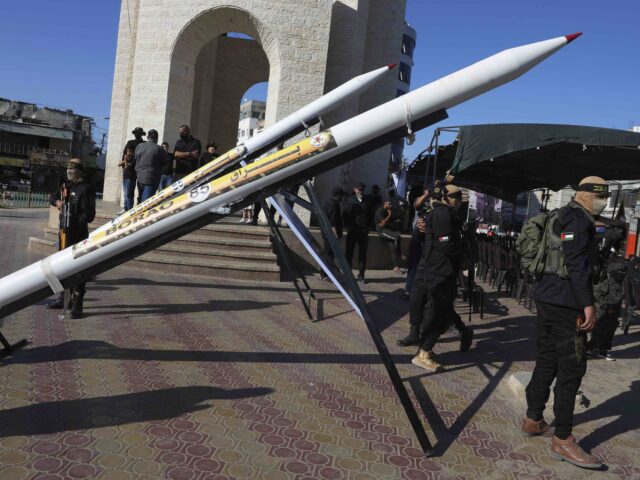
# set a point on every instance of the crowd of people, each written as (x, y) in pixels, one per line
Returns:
(150, 167)
(581, 281)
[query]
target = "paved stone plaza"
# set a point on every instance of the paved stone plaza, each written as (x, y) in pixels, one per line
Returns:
(185, 377)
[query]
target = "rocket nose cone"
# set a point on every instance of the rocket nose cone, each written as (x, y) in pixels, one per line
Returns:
(570, 38)
(391, 65)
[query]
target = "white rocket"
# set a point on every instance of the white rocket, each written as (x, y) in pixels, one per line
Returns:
(197, 207)
(268, 138)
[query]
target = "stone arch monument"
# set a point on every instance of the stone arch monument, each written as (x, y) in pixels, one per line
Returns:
(176, 63)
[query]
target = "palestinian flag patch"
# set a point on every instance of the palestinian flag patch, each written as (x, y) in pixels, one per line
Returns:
(444, 238)
(566, 236)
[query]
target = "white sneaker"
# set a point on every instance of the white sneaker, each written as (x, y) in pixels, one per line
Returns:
(241, 220)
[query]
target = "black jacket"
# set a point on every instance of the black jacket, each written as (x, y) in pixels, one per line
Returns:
(81, 211)
(580, 257)
(357, 214)
(334, 213)
(442, 250)
(184, 166)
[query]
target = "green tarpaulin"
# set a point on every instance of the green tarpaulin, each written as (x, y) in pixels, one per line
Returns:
(503, 160)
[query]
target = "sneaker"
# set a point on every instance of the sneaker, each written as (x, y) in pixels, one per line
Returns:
(607, 356)
(569, 451)
(361, 280)
(591, 353)
(121, 212)
(426, 361)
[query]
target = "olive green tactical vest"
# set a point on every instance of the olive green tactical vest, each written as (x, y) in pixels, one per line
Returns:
(540, 247)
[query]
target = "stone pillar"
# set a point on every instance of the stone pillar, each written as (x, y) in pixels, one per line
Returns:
(124, 66)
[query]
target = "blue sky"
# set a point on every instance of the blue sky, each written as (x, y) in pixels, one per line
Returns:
(62, 54)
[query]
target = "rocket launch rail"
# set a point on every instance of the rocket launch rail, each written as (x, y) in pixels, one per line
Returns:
(206, 198)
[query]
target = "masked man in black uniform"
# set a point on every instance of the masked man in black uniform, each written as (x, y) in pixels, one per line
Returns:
(435, 285)
(566, 312)
(357, 217)
(76, 201)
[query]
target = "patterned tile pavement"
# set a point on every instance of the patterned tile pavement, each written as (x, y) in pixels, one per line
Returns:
(185, 377)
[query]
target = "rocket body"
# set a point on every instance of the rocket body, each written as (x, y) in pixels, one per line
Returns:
(273, 171)
(264, 140)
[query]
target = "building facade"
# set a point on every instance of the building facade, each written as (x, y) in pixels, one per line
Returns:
(37, 142)
(403, 86)
(176, 64)
(252, 115)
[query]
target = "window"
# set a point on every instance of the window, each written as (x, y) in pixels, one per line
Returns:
(251, 132)
(255, 115)
(404, 73)
(408, 45)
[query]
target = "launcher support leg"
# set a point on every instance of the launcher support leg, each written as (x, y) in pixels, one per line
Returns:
(383, 351)
(8, 349)
(289, 262)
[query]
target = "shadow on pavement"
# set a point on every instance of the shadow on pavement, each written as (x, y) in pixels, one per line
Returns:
(446, 436)
(66, 415)
(93, 349)
(623, 406)
(181, 308)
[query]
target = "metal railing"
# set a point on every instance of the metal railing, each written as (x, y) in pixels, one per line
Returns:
(20, 149)
(12, 199)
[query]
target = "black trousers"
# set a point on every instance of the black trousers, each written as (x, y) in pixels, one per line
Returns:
(560, 356)
(602, 336)
(359, 237)
(257, 207)
(431, 308)
(394, 241)
(439, 314)
(80, 233)
(327, 250)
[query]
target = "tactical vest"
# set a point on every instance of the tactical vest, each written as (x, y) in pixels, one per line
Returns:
(540, 247)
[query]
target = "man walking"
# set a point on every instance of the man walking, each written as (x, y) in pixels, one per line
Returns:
(186, 153)
(566, 312)
(76, 202)
(435, 286)
(357, 217)
(149, 160)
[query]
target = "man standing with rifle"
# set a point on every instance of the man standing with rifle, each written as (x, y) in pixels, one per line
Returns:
(76, 202)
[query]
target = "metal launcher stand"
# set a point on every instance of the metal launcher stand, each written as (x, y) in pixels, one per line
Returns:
(278, 239)
(341, 271)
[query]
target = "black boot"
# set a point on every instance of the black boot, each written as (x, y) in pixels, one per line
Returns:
(57, 304)
(466, 337)
(76, 308)
(413, 339)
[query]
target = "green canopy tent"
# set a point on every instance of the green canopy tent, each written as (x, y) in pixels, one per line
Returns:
(505, 159)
